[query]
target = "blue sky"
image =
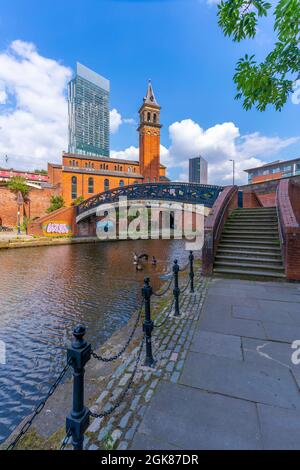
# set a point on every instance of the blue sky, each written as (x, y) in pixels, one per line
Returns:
(176, 43)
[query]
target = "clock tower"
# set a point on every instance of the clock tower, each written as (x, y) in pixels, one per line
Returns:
(149, 137)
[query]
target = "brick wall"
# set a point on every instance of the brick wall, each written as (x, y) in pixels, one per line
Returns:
(65, 215)
(266, 191)
(39, 202)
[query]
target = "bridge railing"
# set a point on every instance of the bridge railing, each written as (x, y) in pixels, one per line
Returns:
(80, 352)
(214, 224)
(288, 209)
(183, 192)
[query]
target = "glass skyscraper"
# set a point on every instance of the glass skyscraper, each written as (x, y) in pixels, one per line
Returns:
(198, 170)
(88, 106)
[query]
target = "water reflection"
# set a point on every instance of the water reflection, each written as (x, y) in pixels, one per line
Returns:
(46, 291)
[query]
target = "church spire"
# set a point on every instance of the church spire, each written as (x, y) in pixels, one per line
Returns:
(150, 97)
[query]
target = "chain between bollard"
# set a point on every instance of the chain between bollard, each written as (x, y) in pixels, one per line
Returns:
(166, 317)
(99, 357)
(161, 294)
(38, 408)
(65, 441)
(182, 290)
(123, 394)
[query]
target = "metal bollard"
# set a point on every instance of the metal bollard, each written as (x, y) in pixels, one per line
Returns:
(78, 420)
(148, 323)
(191, 258)
(176, 290)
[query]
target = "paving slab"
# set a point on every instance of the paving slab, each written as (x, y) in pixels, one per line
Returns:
(280, 428)
(193, 419)
(256, 383)
(212, 320)
(217, 344)
(280, 306)
(281, 332)
(262, 313)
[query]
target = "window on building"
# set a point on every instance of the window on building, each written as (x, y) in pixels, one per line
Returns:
(106, 184)
(148, 117)
(91, 185)
(74, 187)
(154, 118)
(107, 167)
(133, 170)
(121, 183)
(121, 168)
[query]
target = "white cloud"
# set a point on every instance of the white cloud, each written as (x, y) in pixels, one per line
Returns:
(131, 153)
(33, 122)
(115, 120)
(219, 144)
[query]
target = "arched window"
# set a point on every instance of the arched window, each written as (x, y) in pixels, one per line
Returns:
(107, 167)
(148, 117)
(154, 117)
(121, 183)
(91, 185)
(106, 184)
(121, 169)
(74, 187)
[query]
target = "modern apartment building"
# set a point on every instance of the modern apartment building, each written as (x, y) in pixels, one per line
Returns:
(274, 170)
(198, 170)
(88, 106)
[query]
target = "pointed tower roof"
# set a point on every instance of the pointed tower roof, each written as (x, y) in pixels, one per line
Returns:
(150, 97)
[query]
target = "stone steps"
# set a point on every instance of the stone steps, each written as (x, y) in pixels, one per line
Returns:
(249, 245)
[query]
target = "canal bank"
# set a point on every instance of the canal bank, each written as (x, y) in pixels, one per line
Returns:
(7, 242)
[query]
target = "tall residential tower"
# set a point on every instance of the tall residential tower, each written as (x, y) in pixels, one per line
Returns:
(88, 106)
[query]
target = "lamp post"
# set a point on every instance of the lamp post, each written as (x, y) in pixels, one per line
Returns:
(20, 202)
(233, 170)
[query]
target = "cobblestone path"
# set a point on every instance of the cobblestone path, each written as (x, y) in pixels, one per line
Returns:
(171, 342)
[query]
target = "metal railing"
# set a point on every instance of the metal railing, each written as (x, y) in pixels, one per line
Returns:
(80, 352)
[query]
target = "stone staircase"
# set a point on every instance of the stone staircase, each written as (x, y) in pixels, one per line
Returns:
(249, 245)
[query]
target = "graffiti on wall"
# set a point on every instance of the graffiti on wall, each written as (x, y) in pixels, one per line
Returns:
(56, 229)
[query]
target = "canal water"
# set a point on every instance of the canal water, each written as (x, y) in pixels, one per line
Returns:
(45, 292)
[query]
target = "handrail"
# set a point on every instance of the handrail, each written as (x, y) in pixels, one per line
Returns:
(289, 230)
(212, 227)
(220, 217)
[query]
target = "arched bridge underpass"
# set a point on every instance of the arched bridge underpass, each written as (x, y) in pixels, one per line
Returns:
(189, 193)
